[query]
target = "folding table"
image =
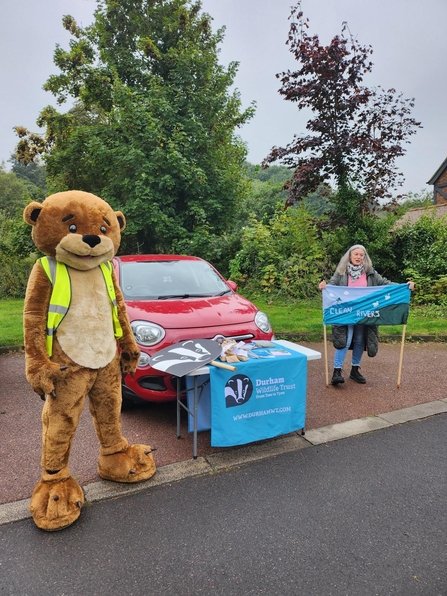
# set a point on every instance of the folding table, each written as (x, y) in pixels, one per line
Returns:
(198, 389)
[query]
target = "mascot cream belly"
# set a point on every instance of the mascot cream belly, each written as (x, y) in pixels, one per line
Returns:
(74, 320)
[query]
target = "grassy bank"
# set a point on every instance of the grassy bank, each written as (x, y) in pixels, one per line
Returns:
(305, 318)
(300, 319)
(11, 322)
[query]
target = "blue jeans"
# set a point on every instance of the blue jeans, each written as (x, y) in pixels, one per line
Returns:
(356, 333)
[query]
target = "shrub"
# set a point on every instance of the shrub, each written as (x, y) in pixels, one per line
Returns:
(282, 257)
(422, 248)
(15, 274)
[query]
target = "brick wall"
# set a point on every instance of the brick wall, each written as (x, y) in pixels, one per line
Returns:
(440, 200)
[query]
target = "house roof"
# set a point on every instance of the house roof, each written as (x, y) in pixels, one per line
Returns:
(412, 215)
(438, 172)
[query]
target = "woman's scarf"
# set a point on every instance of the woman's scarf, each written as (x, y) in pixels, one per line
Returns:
(355, 271)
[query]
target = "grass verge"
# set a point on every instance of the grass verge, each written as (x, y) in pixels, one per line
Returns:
(305, 319)
(301, 319)
(11, 322)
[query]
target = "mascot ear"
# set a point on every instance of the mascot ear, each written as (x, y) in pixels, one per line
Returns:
(121, 220)
(31, 213)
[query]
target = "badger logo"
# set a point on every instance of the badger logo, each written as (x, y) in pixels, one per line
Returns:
(238, 390)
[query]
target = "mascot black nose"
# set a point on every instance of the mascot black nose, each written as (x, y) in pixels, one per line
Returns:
(91, 239)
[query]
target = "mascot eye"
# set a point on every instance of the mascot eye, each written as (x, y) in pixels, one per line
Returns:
(103, 229)
(72, 228)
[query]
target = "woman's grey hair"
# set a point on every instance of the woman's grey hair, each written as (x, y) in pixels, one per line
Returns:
(344, 261)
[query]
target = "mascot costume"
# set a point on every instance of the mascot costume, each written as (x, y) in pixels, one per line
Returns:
(78, 341)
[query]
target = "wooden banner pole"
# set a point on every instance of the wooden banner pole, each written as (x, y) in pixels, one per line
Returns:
(401, 356)
(325, 355)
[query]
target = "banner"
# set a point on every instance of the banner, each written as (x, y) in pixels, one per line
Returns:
(374, 305)
(265, 398)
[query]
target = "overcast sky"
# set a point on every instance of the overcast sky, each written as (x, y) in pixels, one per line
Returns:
(408, 38)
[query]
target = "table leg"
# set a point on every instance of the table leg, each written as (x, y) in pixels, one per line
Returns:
(196, 405)
(178, 408)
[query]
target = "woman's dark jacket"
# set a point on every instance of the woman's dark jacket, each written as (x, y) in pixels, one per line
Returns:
(340, 332)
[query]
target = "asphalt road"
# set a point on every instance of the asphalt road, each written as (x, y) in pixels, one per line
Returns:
(362, 516)
(423, 380)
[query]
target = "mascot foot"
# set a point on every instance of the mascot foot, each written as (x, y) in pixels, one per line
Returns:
(56, 501)
(133, 464)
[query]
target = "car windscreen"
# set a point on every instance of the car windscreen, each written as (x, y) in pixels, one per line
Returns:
(163, 280)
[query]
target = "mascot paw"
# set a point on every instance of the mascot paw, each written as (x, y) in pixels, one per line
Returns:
(129, 361)
(131, 465)
(56, 501)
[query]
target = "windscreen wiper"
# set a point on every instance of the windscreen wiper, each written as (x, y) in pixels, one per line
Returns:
(180, 296)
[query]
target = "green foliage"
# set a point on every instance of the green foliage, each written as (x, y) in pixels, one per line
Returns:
(275, 174)
(17, 256)
(421, 248)
(415, 200)
(377, 241)
(433, 312)
(33, 173)
(16, 245)
(216, 249)
(14, 194)
(423, 245)
(428, 290)
(373, 233)
(283, 257)
(321, 201)
(355, 213)
(14, 277)
(349, 204)
(15, 238)
(261, 202)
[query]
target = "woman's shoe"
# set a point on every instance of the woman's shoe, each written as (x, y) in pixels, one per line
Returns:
(355, 374)
(336, 377)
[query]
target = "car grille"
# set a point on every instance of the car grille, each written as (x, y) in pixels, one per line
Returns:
(152, 383)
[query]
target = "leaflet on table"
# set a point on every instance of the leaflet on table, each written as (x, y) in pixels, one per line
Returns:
(254, 351)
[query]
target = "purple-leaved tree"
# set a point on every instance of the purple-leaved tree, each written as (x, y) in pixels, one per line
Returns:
(355, 133)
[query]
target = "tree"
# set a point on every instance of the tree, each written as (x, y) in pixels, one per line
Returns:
(153, 126)
(356, 133)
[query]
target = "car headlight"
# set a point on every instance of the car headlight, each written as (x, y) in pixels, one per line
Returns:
(144, 359)
(146, 333)
(262, 321)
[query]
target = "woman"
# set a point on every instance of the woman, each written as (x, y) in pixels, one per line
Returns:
(354, 269)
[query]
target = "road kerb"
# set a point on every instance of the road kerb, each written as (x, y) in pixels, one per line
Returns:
(103, 490)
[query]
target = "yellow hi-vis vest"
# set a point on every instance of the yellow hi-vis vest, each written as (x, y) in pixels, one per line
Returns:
(60, 299)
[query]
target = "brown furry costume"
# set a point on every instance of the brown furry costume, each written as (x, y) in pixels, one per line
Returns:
(81, 231)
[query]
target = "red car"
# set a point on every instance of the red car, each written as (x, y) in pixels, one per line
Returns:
(173, 298)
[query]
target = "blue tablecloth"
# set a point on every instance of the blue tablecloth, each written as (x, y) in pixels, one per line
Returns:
(264, 398)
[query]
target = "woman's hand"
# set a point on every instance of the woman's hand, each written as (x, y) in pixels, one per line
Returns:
(411, 285)
(322, 285)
